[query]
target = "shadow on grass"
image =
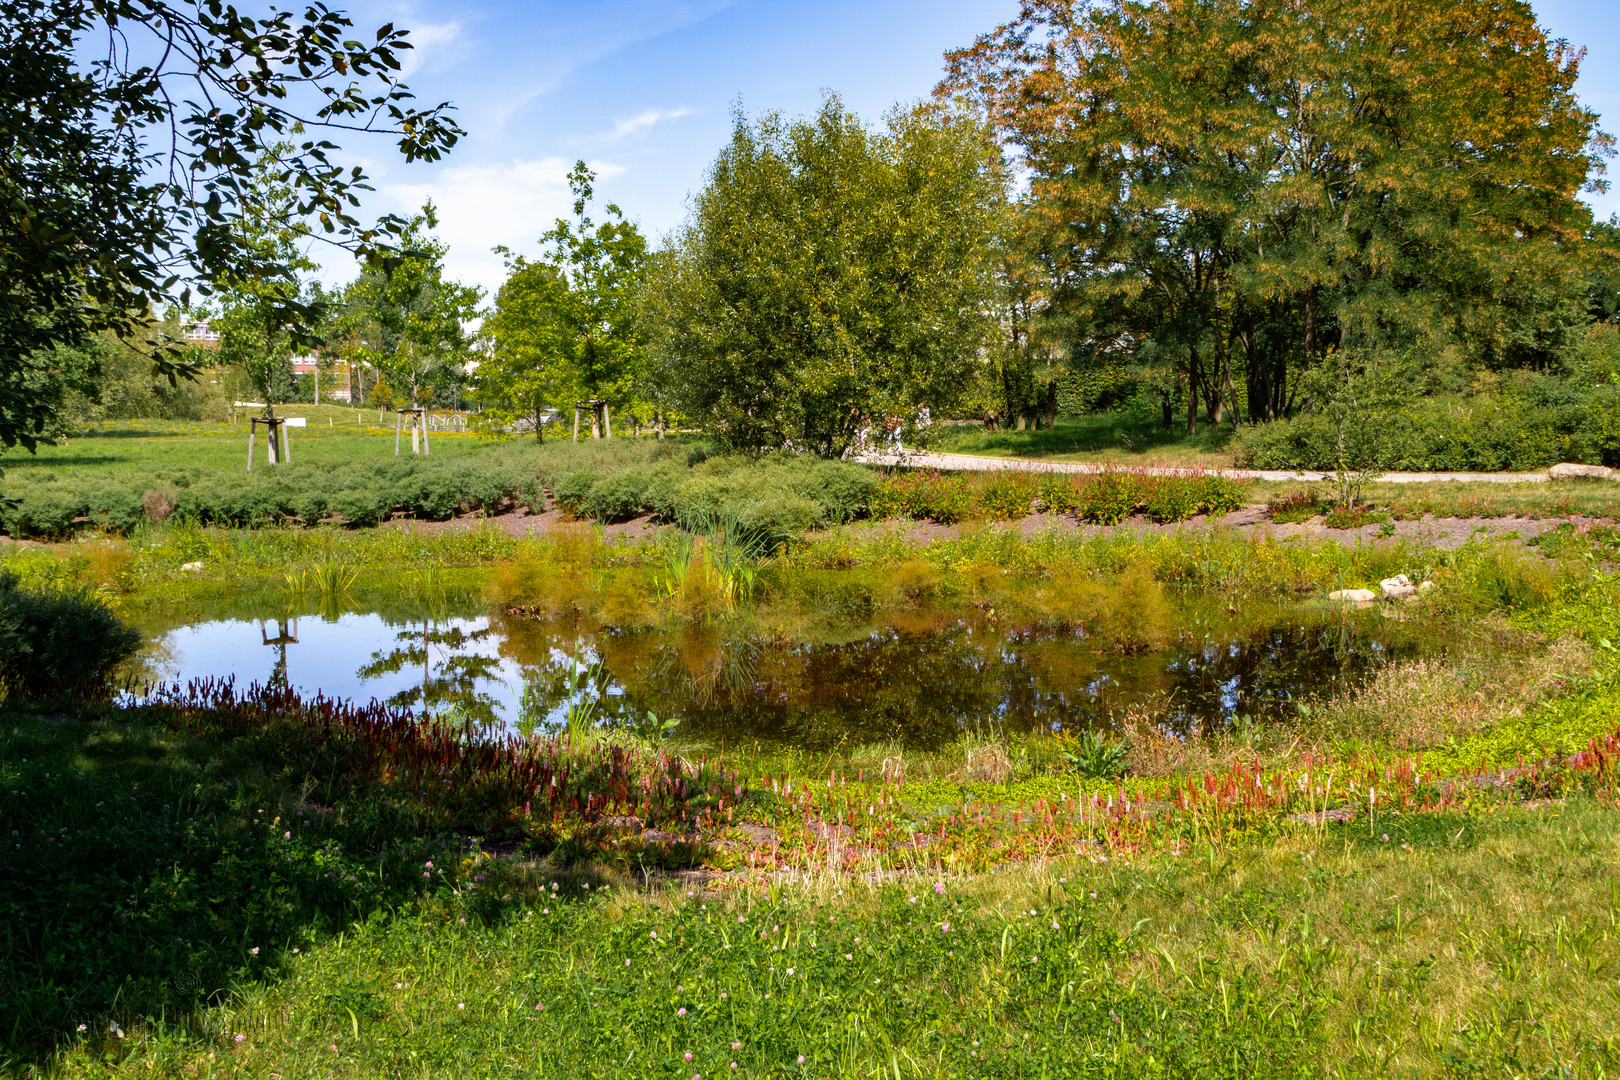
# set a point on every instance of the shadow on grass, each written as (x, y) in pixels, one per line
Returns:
(1085, 435)
(148, 871)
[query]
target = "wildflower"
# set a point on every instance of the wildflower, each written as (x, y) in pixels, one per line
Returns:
(538, 1006)
(653, 934)
(81, 1027)
(790, 971)
(464, 923)
(724, 995)
(848, 957)
(254, 950)
(334, 1048)
(733, 1064)
(689, 1055)
(461, 1005)
(680, 1012)
(428, 864)
(739, 918)
(287, 835)
(680, 989)
(939, 888)
(240, 1037)
(627, 963)
(801, 1059)
(1386, 838)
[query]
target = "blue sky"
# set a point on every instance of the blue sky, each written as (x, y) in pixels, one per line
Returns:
(643, 90)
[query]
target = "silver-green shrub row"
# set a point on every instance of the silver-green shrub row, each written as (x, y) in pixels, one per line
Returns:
(771, 498)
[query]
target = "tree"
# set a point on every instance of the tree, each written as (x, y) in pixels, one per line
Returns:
(407, 320)
(255, 305)
(567, 324)
(129, 133)
(828, 271)
(1280, 180)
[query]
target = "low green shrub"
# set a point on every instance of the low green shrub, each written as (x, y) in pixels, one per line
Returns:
(1532, 423)
(1007, 496)
(1168, 499)
(56, 643)
(1109, 497)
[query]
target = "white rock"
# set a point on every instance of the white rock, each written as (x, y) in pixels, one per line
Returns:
(1353, 596)
(1569, 471)
(191, 566)
(1425, 587)
(1397, 587)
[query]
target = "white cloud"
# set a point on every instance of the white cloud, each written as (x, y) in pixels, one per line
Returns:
(430, 42)
(646, 119)
(480, 206)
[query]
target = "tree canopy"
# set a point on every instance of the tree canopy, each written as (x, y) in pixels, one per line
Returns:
(567, 325)
(829, 271)
(1285, 180)
(130, 131)
(407, 320)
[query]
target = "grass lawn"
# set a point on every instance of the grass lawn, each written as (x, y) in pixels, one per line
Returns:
(334, 436)
(231, 921)
(1108, 439)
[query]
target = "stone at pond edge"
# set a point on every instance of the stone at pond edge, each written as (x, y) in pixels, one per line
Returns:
(1353, 596)
(1397, 587)
(1569, 471)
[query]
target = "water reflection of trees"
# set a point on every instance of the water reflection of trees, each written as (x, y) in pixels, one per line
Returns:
(923, 687)
(453, 675)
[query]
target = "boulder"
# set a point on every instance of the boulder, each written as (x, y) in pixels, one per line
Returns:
(1398, 587)
(190, 566)
(1570, 471)
(1353, 596)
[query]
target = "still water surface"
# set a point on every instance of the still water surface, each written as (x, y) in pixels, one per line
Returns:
(919, 684)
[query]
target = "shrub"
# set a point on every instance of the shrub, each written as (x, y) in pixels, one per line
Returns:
(572, 488)
(1219, 494)
(58, 643)
(1529, 427)
(1170, 499)
(778, 519)
(617, 496)
(1109, 497)
(1006, 496)
(1058, 492)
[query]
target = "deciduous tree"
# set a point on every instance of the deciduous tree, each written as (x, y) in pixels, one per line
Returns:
(828, 272)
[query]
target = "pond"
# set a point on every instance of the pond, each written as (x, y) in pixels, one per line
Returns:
(919, 681)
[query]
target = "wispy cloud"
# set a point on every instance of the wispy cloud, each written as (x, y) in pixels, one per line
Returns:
(430, 42)
(644, 120)
(479, 206)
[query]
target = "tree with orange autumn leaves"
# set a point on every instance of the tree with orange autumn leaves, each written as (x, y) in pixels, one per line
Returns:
(1296, 186)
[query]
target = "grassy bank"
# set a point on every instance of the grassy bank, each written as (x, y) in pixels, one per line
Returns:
(222, 921)
(1414, 876)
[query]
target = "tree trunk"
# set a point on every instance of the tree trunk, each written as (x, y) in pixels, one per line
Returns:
(539, 425)
(1193, 377)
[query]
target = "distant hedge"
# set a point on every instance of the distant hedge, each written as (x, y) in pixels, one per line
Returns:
(1546, 423)
(773, 498)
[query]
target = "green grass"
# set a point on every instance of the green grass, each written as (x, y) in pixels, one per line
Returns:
(156, 852)
(1477, 941)
(153, 446)
(1105, 439)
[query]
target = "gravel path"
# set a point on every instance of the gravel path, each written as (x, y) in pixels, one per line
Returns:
(965, 462)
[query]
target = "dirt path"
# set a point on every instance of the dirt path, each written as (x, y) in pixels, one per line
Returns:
(922, 459)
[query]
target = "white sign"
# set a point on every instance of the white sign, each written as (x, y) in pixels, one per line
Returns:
(295, 421)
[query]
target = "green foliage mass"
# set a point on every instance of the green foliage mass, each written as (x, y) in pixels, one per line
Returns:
(829, 272)
(56, 642)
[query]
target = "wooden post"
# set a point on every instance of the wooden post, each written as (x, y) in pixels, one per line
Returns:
(253, 429)
(596, 421)
(576, 421)
(399, 418)
(607, 421)
(270, 431)
(286, 443)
